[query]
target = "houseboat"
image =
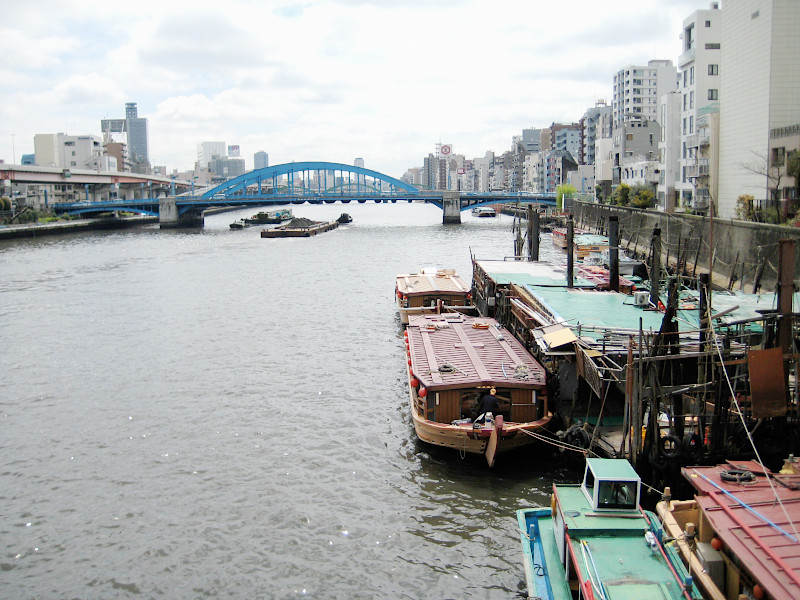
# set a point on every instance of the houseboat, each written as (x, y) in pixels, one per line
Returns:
(453, 361)
(430, 291)
(739, 535)
(595, 542)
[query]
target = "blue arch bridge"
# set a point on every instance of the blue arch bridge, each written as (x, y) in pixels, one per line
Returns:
(297, 183)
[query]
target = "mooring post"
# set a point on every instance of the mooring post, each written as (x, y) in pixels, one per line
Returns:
(570, 244)
(533, 233)
(655, 266)
(786, 261)
(613, 253)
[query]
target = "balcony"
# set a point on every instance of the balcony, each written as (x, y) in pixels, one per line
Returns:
(698, 170)
(685, 58)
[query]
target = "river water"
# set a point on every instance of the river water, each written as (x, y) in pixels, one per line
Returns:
(208, 414)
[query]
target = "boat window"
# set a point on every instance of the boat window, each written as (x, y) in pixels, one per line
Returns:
(616, 494)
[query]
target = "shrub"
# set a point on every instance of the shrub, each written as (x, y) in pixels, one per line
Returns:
(744, 208)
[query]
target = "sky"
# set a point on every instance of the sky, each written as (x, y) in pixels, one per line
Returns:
(322, 80)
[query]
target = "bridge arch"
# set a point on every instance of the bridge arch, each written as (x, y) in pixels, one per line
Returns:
(310, 178)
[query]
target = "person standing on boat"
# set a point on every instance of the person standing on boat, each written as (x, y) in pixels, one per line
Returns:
(489, 404)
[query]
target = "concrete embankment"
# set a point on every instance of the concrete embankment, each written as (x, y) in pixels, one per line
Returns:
(743, 252)
(32, 230)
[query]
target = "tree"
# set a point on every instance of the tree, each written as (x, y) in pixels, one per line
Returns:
(642, 196)
(622, 194)
(5, 203)
(565, 189)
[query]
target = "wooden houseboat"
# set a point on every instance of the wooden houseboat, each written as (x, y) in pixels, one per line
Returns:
(453, 361)
(739, 535)
(430, 291)
(595, 542)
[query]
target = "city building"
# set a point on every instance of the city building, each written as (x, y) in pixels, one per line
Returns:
(589, 124)
(669, 148)
(758, 95)
(260, 160)
(637, 89)
(131, 131)
(72, 152)
(699, 84)
(207, 151)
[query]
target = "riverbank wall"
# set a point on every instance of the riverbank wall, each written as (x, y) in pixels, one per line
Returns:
(33, 230)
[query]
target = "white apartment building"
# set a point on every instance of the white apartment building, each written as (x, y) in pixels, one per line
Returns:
(589, 131)
(699, 85)
(71, 152)
(637, 89)
(669, 150)
(759, 91)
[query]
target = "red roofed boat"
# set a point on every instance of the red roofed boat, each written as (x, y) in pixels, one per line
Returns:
(740, 533)
(453, 360)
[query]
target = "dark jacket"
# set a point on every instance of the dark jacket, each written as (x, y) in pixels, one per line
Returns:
(488, 404)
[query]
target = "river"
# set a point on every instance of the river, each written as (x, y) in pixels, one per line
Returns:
(208, 414)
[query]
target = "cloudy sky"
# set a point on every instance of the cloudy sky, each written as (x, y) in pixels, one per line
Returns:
(324, 80)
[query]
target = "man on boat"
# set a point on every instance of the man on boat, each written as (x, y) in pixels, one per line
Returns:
(489, 404)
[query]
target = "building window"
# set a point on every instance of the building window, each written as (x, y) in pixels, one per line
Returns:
(713, 94)
(713, 69)
(712, 46)
(691, 99)
(691, 123)
(691, 75)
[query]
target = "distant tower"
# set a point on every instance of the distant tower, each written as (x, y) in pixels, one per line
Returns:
(137, 134)
(260, 160)
(359, 162)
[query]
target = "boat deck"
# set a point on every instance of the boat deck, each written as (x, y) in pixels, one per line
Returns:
(601, 544)
(750, 522)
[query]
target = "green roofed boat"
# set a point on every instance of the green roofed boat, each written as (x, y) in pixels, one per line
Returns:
(596, 543)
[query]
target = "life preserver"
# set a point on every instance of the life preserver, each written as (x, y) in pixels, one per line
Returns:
(737, 475)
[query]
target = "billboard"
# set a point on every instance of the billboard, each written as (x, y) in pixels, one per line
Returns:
(233, 151)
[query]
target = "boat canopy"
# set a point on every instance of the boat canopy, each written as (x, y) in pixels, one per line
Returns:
(611, 484)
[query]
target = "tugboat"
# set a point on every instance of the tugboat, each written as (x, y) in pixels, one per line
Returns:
(345, 218)
(596, 540)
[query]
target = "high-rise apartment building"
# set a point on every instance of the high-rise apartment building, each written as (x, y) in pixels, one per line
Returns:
(589, 124)
(758, 94)
(637, 89)
(698, 85)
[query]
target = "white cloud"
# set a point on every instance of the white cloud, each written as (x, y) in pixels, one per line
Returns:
(322, 79)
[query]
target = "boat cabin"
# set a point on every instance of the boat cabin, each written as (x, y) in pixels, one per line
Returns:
(611, 484)
(430, 291)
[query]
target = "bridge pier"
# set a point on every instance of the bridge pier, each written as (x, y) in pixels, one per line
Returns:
(168, 217)
(451, 207)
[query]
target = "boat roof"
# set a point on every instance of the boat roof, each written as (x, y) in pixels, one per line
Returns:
(430, 281)
(612, 468)
(504, 272)
(591, 308)
(451, 351)
(746, 517)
